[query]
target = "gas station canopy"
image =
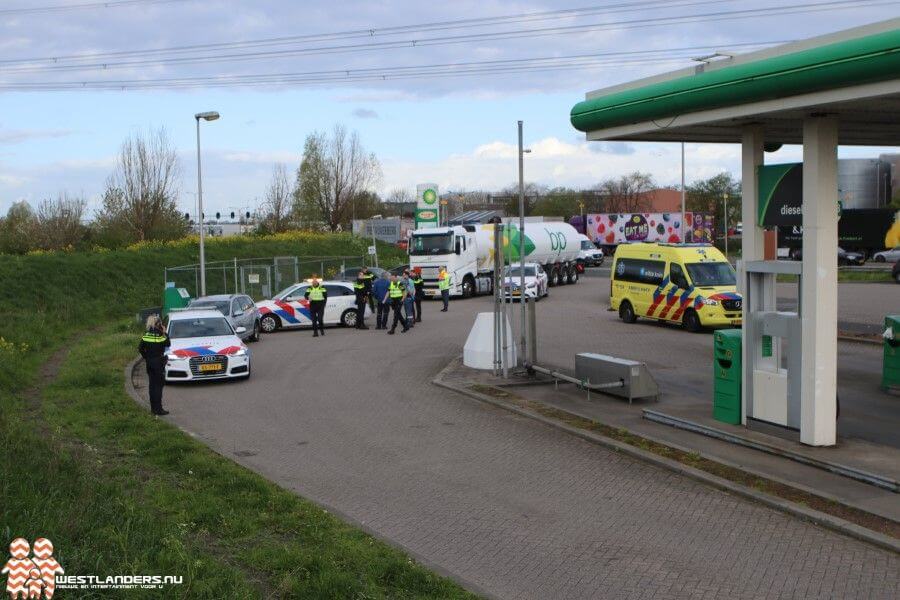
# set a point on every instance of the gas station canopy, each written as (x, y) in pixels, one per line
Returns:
(837, 89)
(851, 75)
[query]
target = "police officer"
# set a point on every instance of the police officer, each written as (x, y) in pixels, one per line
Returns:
(153, 349)
(317, 296)
(420, 292)
(361, 288)
(369, 279)
(409, 306)
(395, 294)
(444, 286)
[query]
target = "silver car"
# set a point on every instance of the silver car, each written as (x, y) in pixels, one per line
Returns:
(239, 309)
(891, 255)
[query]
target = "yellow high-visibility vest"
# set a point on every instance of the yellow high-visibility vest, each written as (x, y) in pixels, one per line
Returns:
(316, 293)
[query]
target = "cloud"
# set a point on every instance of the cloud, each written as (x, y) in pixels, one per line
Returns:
(555, 162)
(17, 136)
(275, 156)
(365, 113)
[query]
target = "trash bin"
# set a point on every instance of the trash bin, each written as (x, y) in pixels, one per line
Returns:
(174, 297)
(890, 374)
(727, 376)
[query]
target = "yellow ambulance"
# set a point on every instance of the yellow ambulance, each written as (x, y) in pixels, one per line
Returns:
(691, 284)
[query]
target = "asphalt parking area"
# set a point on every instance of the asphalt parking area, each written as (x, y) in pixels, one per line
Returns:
(515, 508)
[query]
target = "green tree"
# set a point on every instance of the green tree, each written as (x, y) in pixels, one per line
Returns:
(627, 193)
(18, 229)
(335, 172)
(141, 197)
(708, 196)
(59, 223)
(557, 202)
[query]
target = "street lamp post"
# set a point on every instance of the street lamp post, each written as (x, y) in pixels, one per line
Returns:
(206, 116)
(522, 300)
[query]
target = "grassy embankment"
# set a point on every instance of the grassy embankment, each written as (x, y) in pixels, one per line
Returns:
(120, 492)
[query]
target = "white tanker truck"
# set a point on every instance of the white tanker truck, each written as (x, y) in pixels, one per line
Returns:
(467, 253)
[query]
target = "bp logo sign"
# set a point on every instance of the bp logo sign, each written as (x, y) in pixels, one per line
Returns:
(429, 196)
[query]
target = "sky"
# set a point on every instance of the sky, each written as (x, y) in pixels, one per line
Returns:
(78, 77)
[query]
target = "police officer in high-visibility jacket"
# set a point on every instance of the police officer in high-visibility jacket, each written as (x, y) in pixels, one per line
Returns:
(153, 349)
(444, 286)
(317, 296)
(361, 288)
(420, 292)
(369, 279)
(395, 295)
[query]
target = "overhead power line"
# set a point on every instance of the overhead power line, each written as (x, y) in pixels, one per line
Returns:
(373, 32)
(32, 10)
(466, 38)
(548, 63)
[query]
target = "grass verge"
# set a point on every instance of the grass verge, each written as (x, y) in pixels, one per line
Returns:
(695, 460)
(847, 276)
(120, 492)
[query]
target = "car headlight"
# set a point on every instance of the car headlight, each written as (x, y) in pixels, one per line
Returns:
(171, 356)
(709, 302)
(241, 352)
(530, 285)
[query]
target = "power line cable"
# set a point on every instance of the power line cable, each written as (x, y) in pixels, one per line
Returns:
(380, 31)
(616, 59)
(468, 38)
(82, 6)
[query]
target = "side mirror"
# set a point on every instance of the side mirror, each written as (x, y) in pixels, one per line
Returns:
(237, 314)
(240, 330)
(458, 247)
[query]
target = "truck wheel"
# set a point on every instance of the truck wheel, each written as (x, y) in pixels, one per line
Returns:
(269, 323)
(626, 312)
(691, 321)
(551, 276)
(468, 287)
(560, 276)
(572, 275)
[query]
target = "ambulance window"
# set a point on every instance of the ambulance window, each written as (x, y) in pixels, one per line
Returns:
(640, 271)
(677, 276)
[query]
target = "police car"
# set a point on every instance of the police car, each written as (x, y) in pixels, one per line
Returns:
(290, 308)
(203, 345)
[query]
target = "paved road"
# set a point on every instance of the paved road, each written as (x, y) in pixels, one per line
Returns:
(516, 508)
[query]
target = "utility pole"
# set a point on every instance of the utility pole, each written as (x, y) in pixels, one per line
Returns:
(522, 299)
(725, 201)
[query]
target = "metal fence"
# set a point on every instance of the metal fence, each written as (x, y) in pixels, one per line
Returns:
(259, 277)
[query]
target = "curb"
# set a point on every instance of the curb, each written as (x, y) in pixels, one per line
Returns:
(129, 381)
(819, 518)
(858, 340)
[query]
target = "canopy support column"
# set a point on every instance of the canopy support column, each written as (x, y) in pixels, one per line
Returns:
(752, 139)
(818, 293)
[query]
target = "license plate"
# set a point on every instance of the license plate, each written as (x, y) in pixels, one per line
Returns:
(430, 293)
(211, 367)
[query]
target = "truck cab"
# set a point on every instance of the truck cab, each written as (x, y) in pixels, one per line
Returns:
(454, 249)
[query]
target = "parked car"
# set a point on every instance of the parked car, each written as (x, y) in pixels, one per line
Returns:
(239, 309)
(398, 270)
(891, 255)
(537, 282)
(204, 345)
(895, 272)
(851, 257)
(290, 309)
